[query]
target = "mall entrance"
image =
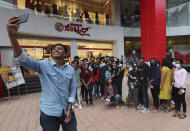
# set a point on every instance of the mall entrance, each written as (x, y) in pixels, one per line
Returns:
(39, 48)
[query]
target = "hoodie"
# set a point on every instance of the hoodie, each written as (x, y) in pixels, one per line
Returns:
(155, 73)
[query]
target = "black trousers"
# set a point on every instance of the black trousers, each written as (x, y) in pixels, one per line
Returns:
(140, 95)
(52, 123)
(102, 86)
(88, 93)
(179, 100)
(175, 92)
(155, 92)
(133, 93)
(83, 92)
(143, 94)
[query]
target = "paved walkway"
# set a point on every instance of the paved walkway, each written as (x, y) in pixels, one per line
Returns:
(23, 115)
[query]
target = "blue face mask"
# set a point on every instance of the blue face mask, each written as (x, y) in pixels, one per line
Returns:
(130, 68)
(177, 65)
(174, 63)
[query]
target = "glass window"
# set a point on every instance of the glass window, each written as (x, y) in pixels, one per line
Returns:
(86, 49)
(132, 49)
(179, 49)
(177, 13)
(92, 12)
(130, 13)
(41, 48)
(178, 23)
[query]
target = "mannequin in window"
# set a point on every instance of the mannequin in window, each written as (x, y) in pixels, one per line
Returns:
(65, 13)
(77, 15)
(32, 5)
(96, 18)
(107, 19)
(126, 17)
(137, 11)
(27, 4)
(86, 16)
(43, 7)
(137, 14)
(54, 6)
(47, 11)
(38, 6)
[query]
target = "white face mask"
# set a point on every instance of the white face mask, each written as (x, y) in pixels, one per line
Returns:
(177, 65)
(174, 63)
(130, 68)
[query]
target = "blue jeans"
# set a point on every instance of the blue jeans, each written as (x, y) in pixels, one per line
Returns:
(52, 123)
(88, 93)
(117, 99)
(96, 89)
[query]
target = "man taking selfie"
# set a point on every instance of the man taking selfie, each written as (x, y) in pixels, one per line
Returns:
(57, 82)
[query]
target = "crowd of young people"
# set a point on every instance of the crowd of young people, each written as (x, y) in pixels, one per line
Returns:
(115, 82)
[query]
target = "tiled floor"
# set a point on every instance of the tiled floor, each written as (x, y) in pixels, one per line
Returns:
(23, 115)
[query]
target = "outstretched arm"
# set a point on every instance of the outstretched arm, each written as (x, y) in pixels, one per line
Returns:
(12, 31)
(19, 55)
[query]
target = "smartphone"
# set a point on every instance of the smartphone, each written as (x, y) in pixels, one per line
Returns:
(63, 115)
(23, 19)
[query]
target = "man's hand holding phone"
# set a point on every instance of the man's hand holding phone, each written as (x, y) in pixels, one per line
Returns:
(11, 27)
(14, 22)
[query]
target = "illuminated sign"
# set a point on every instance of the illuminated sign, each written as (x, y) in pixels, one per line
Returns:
(77, 28)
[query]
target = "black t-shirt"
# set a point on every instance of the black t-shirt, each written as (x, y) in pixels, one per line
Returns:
(86, 77)
(143, 72)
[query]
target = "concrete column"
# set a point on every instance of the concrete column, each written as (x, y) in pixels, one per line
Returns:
(116, 12)
(153, 29)
(73, 50)
(1, 81)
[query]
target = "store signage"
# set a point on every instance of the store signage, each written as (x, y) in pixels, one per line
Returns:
(18, 74)
(8, 77)
(77, 28)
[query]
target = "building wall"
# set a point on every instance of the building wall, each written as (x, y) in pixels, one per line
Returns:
(45, 27)
(170, 31)
(6, 60)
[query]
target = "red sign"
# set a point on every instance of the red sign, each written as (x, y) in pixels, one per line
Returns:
(77, 28)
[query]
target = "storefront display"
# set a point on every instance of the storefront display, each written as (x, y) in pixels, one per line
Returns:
(40, 48)
(92, 12)
(96, 49)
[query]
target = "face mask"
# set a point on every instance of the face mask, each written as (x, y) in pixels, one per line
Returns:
(135, 64)
(177, 65)
(153, 63)
(130, 68)
(174, 64)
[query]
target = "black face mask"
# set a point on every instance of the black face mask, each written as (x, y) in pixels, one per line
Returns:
(153, 63)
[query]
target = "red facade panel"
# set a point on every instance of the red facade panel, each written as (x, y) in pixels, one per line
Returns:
(153, 29)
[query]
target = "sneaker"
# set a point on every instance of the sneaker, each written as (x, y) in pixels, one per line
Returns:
(117, 107)
(172, 102)
(80, 107)
(102, 98)
(140, 106)
(146, 110)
